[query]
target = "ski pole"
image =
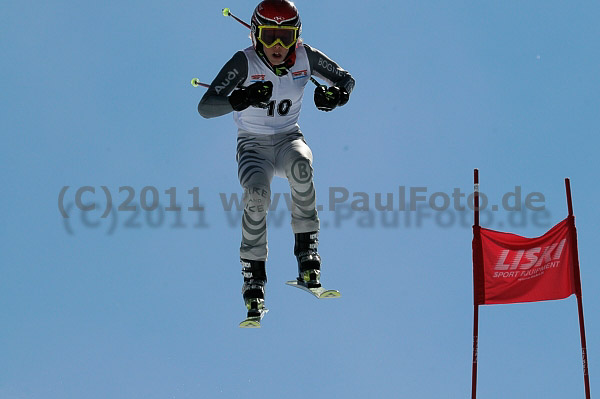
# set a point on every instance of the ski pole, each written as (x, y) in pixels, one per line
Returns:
(315, 81)
(227, 13)
(196, 82)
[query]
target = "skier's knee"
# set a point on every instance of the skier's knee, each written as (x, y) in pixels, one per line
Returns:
(257, 199)
(300, 171)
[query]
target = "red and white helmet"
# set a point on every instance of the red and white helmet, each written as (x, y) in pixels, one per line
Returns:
(283, 22)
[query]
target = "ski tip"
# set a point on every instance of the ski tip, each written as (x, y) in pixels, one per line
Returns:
(330, 294)
(254, 322)
(250, 324)
(319, 293)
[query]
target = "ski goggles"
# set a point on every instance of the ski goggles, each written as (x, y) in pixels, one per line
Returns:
(269, 36)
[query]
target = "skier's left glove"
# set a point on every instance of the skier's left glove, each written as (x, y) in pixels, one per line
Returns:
(326, 99)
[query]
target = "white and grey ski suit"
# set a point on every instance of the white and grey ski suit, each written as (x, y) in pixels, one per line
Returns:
(269, 139)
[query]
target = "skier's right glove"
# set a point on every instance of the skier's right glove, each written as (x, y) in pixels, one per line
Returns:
(256, 95)
(326, 99)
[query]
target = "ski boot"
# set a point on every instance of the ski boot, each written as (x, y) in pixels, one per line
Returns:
(253, 291)
(309, 267)
(309, 261)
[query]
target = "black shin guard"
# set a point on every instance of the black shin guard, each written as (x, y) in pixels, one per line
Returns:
(255, 278)
(305, 249)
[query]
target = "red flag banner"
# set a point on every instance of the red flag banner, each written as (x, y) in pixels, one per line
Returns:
(512, 269)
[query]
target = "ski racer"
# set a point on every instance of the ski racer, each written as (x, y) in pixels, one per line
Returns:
(263, 85)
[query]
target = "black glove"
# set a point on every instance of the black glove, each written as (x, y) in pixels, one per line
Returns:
(255, 95)
(326, 99)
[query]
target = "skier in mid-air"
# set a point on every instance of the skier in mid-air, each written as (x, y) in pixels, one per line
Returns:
(263, 85)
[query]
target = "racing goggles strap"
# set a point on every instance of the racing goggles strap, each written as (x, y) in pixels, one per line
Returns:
(269, 36)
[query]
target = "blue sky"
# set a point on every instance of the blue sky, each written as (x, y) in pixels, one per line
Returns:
(146, 304)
